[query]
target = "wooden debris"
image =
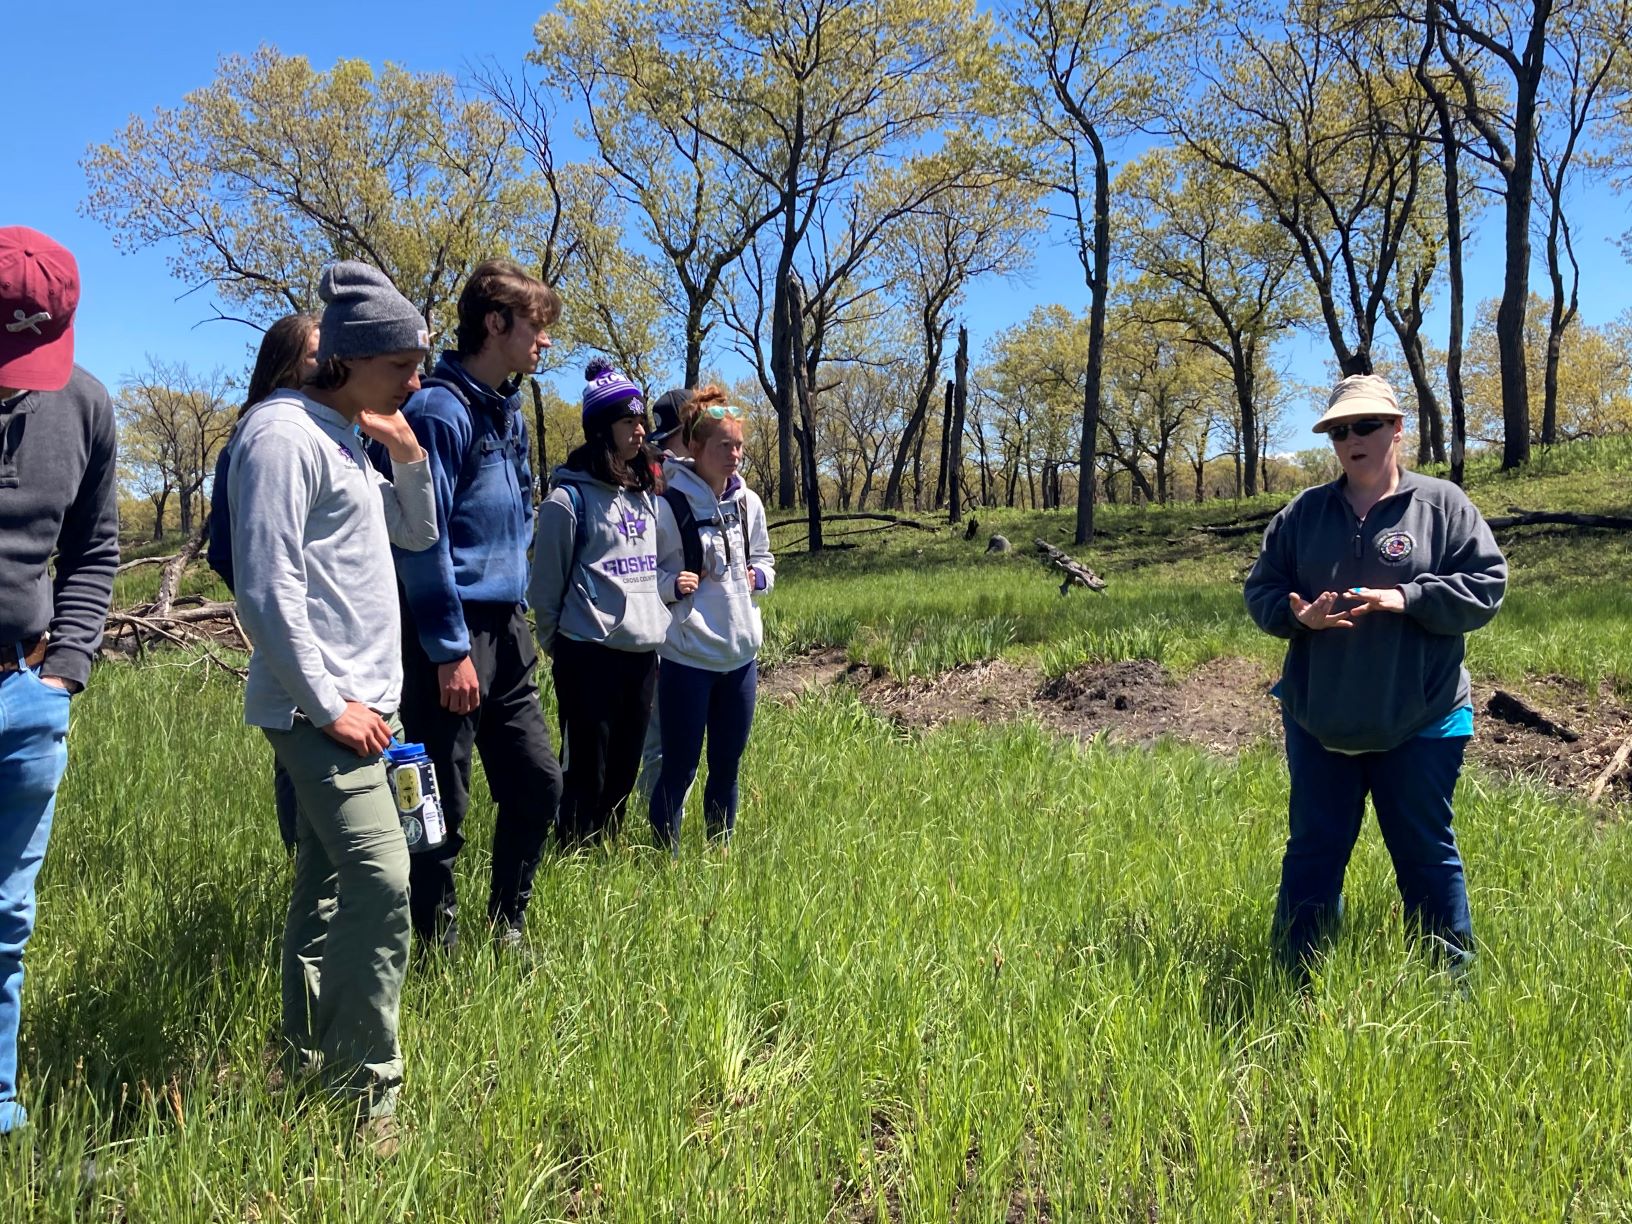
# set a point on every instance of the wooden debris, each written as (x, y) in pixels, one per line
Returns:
(1076, 573)
(893, 520)
(1529, 518)
(1520, 713)
(1247, 524)
(1616, 764)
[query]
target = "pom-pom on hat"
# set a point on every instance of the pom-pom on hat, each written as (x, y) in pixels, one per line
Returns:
(1359, 395)
(609, 396)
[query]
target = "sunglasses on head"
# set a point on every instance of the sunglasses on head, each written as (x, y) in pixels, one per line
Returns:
(1360, 429)
(721, 412)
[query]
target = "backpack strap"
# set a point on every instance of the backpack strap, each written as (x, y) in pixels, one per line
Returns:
(691, 536)
(580, 531)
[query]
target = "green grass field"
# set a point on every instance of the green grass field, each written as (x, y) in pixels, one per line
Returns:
(977, 974)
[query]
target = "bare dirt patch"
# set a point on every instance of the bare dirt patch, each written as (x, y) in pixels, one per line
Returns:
(814, 669)
(1224, 706)
(1599, 720)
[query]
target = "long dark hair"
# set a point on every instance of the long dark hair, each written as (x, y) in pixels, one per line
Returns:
(277, 365)
(598, 457)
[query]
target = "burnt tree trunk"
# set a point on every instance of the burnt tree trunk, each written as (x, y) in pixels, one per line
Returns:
(959, 389)
(810, 478)
(946, 441)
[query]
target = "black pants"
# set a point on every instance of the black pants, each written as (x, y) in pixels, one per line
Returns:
(605, 699)
(508, 729)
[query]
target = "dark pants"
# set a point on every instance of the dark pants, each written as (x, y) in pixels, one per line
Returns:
(1411, 788)
(508, 729)
(691, 701)
(285, 802)
(605, 698)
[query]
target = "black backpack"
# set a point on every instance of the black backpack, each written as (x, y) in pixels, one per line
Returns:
(691, 536)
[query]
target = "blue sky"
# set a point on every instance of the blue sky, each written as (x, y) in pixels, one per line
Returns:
(125, 59)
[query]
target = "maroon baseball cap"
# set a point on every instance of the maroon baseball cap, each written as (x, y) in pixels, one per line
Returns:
(39, 292)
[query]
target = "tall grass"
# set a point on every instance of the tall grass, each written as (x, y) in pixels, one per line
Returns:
(971, 975)
(974, 975)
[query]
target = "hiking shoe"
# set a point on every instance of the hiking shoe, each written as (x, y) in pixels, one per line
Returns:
(380, 1136)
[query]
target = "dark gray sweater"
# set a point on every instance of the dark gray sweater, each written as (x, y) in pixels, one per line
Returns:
(58, 495)
(1372, 687)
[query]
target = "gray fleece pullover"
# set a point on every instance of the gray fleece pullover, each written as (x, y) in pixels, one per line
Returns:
(717, 627)
(312, 525)
(1372, 687)
(58, 495)
(596, 581)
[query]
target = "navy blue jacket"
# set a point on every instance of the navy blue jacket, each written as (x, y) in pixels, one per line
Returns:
(484, 507)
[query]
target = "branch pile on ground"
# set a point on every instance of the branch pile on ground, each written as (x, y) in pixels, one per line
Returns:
(1076, 573)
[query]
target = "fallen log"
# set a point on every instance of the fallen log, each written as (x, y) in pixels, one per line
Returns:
(1520, 713)
(892, 519)
(1616, 764)
(1245, 525)
(1560, 518)
(1076, 573)
(125, 566)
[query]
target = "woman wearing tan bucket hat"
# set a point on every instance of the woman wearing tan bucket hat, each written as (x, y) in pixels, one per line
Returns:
(1374, 579)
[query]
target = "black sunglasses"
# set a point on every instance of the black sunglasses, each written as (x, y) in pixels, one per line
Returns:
(1361, 429)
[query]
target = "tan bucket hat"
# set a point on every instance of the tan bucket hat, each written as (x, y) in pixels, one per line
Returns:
(1359, 395)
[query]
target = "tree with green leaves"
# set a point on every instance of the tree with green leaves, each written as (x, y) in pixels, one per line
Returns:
(699, 210)
(1210, 263)
(1594, 388)
(1320, 117)
(272, 170)
(173, 422)
(1085, 68)
(1035, 375)
(931, 256)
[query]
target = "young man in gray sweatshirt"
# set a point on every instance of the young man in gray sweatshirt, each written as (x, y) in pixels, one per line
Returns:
(312, 525)
(57, 495)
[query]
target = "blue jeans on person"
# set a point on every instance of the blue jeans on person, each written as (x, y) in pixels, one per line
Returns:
(33, 755)
(1411, 788)
(690, 702)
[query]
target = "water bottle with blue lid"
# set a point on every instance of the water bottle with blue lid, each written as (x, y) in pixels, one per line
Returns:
(419, 806)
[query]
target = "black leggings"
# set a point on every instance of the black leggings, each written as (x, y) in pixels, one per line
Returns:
(604, 697)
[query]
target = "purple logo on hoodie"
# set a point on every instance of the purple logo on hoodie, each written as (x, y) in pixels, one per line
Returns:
(633, 525)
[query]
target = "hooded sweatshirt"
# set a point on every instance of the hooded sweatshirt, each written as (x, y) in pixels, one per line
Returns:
(718, 626)
(483, 483)
(597, 581)
(1394, 674)
(312, 525)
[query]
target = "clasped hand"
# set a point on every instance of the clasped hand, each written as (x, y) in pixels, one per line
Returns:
(1322, 613)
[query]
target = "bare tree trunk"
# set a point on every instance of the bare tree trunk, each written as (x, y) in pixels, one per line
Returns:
(801, 389)
(918, 470)
(946, 442)
(785, 357)
(1450, 151)
(541, 473)
(1099, 286)
(1565, 306)
(958, 390)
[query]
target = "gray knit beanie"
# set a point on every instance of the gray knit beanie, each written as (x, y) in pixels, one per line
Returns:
(365, 315)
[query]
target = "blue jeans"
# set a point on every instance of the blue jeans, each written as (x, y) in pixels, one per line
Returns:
(33, 754)
(691, 701)
(1411, 787)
